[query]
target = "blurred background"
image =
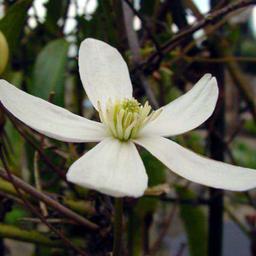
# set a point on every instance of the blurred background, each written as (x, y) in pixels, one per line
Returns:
(168, 45)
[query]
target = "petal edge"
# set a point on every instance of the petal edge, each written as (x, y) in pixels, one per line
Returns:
(197, 168)
(111, 167)
(49, 119)
(103, 72)
(187, 111)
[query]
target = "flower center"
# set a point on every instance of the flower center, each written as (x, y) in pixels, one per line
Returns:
(124, 118)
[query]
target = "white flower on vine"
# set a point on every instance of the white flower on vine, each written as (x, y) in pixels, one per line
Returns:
(114, 166)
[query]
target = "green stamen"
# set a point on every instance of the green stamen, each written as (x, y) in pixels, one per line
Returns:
(125, 118)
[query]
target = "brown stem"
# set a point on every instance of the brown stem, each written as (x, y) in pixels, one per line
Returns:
(49, 201)
(135, 49)
(153, 61)
(36, 212)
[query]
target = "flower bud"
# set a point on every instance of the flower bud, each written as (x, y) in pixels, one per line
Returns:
(4, 52)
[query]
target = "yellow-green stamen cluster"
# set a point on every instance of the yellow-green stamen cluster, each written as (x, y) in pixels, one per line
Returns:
(124, 118)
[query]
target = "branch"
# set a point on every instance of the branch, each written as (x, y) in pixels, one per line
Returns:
(219, 60)
(238, 77)
(154, 60)
(145, 26)
(165, 228)
(79, 206)
(35, 211)
(135, 49)
(242, 84)
(50, 202)
(31, 236)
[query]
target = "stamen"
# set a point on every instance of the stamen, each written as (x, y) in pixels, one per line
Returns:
(124, 118)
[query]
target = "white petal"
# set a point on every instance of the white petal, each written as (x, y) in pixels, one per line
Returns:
(188, 111)
(113, 168)
(103, 72)
(48, 119)
(197, 168)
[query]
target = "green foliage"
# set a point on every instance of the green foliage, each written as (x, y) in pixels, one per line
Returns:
(195, 223)
(193, 141)
(155, 169)
(16, 142)
(12, 24)
(250, 127)
(244, 154)
(40, 63)
(15, 215)
(49, 71)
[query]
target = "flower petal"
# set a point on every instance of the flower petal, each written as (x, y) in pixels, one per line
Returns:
(103, 72)
(197, 168)
(48, 119)
(113, 168)
(188, 111)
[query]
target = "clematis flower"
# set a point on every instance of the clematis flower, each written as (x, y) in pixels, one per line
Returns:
(114, 166)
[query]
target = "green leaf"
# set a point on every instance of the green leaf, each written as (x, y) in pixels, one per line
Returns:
(250, 127)
(195, 223)
(244, 153)
(155, 169)
(156, 175)
(49, 71)
(15, 140)
(15, 215)
(13, 22)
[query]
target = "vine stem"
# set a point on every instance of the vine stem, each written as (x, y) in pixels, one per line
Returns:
(118, 227)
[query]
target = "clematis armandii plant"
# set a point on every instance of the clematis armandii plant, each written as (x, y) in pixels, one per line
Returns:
(114, 166)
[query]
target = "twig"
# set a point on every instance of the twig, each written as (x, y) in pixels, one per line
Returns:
(166, 226)
(79, 206)
(233, 217)
(50, 220)
(15, 122)
(38, 184)
(50, 202)
(243, 85)
(135, 48)
(154, 60)
(233, 67)
(145, 26)
(30, 236)
(192, 202)
(36, 212)
(219, 60)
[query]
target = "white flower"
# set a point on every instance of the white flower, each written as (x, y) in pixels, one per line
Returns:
(114, 166)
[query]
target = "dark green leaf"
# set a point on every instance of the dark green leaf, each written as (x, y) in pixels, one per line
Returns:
(49, 71)
(15, 215)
